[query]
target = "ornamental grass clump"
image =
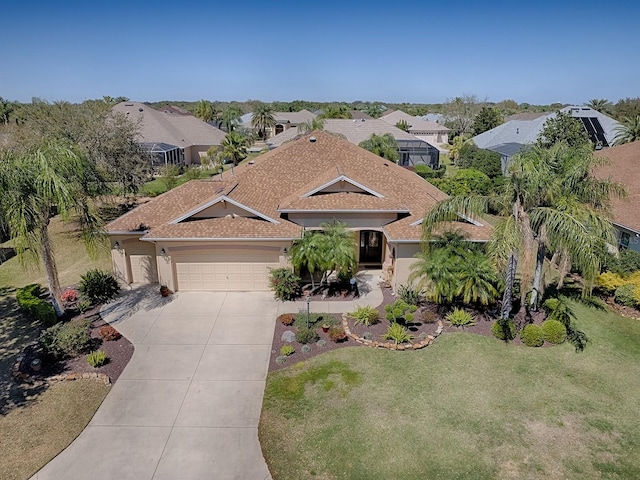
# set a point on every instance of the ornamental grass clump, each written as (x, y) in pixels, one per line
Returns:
(97, 359)
(365, 315)
(460, 318)
(398, 333)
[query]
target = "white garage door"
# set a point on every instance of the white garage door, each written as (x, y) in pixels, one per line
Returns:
(226, 271)
(143, 269)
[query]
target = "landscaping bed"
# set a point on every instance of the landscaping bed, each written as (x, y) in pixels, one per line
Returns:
(118, 352)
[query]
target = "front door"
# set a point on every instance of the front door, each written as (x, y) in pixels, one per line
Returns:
(370, 246)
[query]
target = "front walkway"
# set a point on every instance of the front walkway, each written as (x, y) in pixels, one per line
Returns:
(368, 287)
(188, 404)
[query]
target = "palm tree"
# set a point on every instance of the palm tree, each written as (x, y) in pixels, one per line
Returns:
(35, 184)
(551, 203)
(263, 119)
(374, 109)
(337, 111)
(628, 131)
(231, 118)
(477, 279)
(601, 105)
(403, 125)
(305, 253)
(206, 111)
(454, 150)
(384, 146)
(234, 146)
(340, 242)
(314, 124)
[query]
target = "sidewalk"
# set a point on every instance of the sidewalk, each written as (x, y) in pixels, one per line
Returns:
(370, 294)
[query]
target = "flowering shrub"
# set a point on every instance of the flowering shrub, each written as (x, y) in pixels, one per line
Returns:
(70, 295)
(285, 284)
(337, 334)
(108, 333)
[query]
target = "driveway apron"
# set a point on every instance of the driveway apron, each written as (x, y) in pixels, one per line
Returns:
(188, 404)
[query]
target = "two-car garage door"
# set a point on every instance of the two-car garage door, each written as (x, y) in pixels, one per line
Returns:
(225, 270)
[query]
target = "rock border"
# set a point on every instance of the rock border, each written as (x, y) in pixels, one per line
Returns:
(428, 340)
(19, 375)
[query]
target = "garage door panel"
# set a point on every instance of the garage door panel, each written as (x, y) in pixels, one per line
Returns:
(226, 271)
(143, 269)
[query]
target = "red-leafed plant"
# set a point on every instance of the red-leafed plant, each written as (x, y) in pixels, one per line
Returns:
(108, 333)
(70, 295)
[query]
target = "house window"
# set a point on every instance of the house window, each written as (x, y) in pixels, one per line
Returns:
(624, 239)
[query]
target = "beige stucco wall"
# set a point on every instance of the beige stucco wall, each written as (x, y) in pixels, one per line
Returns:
(363, 221)
(405, 257)
(128, 245)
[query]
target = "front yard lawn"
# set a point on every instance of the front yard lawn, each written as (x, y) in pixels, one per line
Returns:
(466, 407)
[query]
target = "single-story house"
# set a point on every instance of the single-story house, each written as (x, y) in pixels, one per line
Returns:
(523, 129)
(625, 160)
(431, 132)
(413, 151)
(169, 136)
(226, 233)
(284, 121)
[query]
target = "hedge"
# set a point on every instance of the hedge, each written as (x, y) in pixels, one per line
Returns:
(29, 301)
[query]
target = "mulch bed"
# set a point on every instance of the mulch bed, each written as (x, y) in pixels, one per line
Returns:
(119, 352)
(418, 329)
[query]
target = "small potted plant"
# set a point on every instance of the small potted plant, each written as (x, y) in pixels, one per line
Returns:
(325, 327)
(164, 291)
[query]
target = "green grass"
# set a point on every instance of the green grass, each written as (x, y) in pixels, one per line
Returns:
(37, 421)
(71, 257)
(465, 407)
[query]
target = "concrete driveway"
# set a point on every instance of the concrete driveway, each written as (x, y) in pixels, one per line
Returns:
(188, 404)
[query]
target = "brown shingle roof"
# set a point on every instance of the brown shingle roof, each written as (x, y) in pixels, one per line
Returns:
(279, 178)
(624, 168)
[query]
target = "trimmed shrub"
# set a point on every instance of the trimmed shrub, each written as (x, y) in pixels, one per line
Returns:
(287, 350)
(108, 333)
(428, 316)
(409, 294)
(321, 342)
(97, 358)
(625, 295)
(66, 339)
(29, 301)
(502, 333)
(286, 319)
(305, 336)
(532, 336)
(284, 283)
(400, 311)
(366, 315)
(460, 318)
(98, 286)
(553, 331)
(305, 348)
(337, 334)
(281, 360)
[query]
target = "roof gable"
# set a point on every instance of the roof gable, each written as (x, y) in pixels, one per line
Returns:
(208, 210)
(342, 179)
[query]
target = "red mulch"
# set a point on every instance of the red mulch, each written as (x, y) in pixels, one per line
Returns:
(119, 352)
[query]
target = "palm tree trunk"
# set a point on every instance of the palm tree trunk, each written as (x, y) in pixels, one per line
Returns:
(537, 279)
(50, 268)
(507, 296)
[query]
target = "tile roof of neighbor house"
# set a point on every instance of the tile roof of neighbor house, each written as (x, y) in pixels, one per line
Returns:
(525, 116)
(416, 124)
(359, 115)
(434, 117)
(293, 118)
(355, 131)
(624, 168)
(525, 131)
(172, 128)
(279, 179)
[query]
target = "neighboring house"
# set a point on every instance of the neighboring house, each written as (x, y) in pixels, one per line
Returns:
(434, 117)
(413, 151)
(284, 121)
(426, 130)
(360, 115)
(523, 129)
(225, 234)
(169, 136)
(624, 168)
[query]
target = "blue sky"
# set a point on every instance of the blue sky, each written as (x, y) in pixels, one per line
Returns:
(537, 52)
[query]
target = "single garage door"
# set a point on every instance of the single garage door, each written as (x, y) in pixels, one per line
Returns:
(227, 270)
(143, 269)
